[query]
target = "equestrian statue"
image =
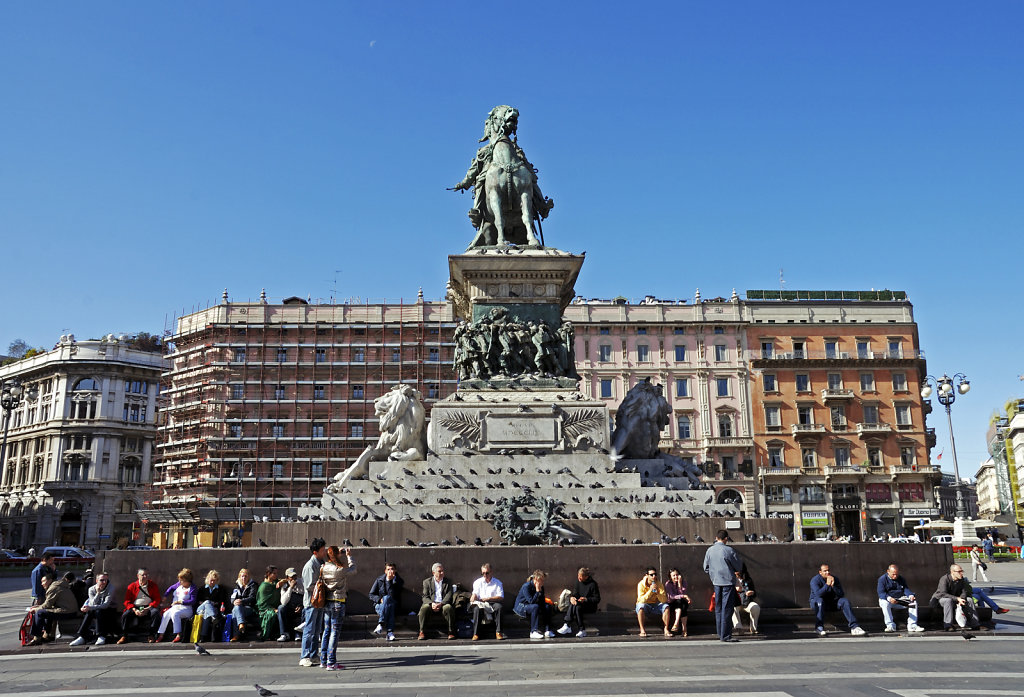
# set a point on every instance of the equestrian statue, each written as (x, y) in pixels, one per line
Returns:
(507, 203)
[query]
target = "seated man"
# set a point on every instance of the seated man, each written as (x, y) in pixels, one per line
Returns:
(141, 607)
(437, 601)
(97, 609)
(651, 598)
(488, 594)
(57, 601)
(386, 593)
(954, 593)
(894, 593)
(827, 596)
(531, 603)
(585, 598)
(290, 610)
(746, 591)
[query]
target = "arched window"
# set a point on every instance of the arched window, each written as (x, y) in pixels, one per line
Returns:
(86, 384)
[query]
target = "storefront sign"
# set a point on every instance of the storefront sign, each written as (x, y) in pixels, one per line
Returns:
(814, 519)
(846, 506)
(921, 512)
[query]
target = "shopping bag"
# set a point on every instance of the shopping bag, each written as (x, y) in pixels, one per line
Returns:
(197, 624)
(25, 633)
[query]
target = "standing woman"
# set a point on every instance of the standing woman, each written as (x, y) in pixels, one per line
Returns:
(977, 565)
(335, 573)
(678, 601)
(243, 603)
(183, 599)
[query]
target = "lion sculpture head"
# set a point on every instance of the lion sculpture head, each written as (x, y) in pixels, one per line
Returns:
(402, 417)
(639, 420)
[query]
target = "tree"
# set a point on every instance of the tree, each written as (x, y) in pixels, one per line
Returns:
(17, 348)
(144, 341)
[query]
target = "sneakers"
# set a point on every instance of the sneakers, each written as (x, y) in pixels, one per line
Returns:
(1001, 611)
(283, 638)
(858, 631)
(101, 641)
(549, 634)
(379, 630)
(565, 629)
(78, 642)
(391, 636)
(890, 628)
(536, 635)
(335, 666)
(298, 628)
(306, 663)
(582, 633)
(915, 628)
(821, 631)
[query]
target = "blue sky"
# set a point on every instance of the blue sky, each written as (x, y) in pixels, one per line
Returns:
(154, 153)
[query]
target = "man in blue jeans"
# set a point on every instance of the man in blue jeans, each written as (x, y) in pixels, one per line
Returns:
(723, 565)
(827, 596)
(312, 617)
(385, 594)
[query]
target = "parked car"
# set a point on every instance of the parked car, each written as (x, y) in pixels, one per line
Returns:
(70, 554)
(11, 555)
(942, 540)
(139, 547)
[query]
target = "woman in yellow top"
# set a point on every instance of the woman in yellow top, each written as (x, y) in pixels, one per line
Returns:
(651, 598)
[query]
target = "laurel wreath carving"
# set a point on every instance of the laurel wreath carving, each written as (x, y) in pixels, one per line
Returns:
(462, 423)
(580, 423)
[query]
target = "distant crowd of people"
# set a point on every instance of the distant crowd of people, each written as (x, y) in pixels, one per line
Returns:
(311, 605)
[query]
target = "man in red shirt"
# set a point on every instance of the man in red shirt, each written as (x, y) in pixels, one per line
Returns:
(141, 607)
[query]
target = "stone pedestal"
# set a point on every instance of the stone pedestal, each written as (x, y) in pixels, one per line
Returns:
(532, 283)
(964, 533)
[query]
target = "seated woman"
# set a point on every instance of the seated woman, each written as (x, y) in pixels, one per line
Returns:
(268, 600)
(58, 601)
(746, 591)
(678, 601)
(531, 603)
(183, 599)
(213, 603)
(99, 610)
(243, 603)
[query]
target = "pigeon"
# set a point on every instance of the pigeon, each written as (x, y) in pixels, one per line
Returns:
(488, 540)
(364, 542)
(699, 538)
(346, 542)
(459, 540)
(201, 651)
(622, 540)
(966, 635)
(264, 692)
(409, 542)
(262, 543)
(445, 542)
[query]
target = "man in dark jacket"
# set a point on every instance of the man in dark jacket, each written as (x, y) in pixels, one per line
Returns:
(827, 596)
(955, 592)
(437, 600)
(386, 594)
(585, 598)
(894, 593)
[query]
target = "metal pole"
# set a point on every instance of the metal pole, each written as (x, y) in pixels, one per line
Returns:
(961, 505)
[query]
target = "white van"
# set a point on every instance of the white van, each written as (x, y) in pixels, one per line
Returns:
(942, 539)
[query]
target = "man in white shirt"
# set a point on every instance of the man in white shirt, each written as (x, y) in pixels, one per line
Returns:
(488, 594)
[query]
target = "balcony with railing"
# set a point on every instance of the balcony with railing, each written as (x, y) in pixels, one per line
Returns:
(761, 355)
(807, 429)
(780, 471)
(843, 469)
(730, 442)
(836, 393)
(873, 429)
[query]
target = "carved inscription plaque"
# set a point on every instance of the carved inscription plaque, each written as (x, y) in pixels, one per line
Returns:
(521, 431)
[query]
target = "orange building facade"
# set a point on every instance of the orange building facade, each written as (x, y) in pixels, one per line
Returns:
(840, 439)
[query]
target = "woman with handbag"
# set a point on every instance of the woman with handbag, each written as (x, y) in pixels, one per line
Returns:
(243, 603)
(334, 574)
(978, 565)
(213, 600)
(678, 601)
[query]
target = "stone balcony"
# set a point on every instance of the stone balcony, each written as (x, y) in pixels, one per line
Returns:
(808, 429)
(730, 442)
(836, 393)
(873, 429)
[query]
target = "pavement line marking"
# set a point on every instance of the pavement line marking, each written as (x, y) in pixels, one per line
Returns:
(325, 685)
(944, 691)
(352, 652)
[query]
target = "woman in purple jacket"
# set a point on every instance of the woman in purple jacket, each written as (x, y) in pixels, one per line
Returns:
(183, 599)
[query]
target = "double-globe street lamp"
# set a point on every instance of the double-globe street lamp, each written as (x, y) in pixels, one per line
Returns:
(947, 395)
(11, 394)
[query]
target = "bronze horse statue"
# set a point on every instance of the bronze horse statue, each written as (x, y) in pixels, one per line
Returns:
(507, 203)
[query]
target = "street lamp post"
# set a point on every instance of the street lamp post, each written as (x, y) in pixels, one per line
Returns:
(11, 393)
(947, 392)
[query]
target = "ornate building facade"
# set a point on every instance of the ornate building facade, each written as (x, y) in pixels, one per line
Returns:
(79, 446)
